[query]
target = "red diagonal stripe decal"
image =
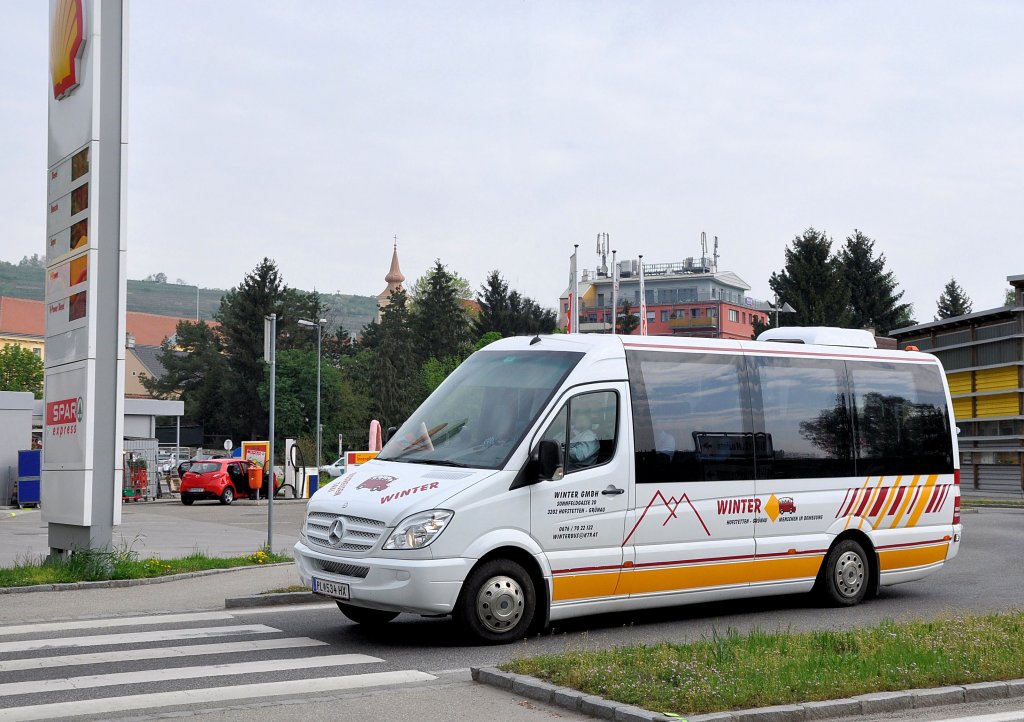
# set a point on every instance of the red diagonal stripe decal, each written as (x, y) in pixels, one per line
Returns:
(881, 501)
(896, 502)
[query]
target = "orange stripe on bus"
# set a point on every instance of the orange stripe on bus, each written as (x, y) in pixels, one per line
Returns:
(929, 489)
(909, 558)
(906, 502)
(647, 581)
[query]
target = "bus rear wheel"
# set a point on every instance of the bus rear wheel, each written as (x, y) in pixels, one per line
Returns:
(847, 574)
(497, 603)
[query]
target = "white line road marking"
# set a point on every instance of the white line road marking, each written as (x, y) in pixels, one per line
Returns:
(107, 705)
(284, 608)
(178, 673)
(100, 640)
(191, 650)
(1014, 716)
(150, 620)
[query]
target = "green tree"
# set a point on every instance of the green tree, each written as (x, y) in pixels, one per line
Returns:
(391, 370)
(494, 311)
(487, 339)
(953, 301)
(21, 370)
(760, 327)
(626, 320)
(1010, 299)
(874, 300)
(438, 320)
(196, 372)
(510, 313)
(813, 283)
(241, 315)
(342, 405)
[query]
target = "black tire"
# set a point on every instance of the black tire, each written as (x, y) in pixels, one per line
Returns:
(846, 575)
(369, 617)
(497, 602)
(227, 496)
(187, 500)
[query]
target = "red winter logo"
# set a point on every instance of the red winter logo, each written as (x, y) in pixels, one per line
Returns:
(377, 483)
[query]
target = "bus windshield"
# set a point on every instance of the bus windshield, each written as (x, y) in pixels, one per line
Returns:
(482, 411)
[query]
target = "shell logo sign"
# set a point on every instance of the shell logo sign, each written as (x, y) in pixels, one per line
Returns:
(67, 41)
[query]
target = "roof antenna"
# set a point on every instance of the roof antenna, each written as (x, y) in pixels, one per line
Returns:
(535, 339)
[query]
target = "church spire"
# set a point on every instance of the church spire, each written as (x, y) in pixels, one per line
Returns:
(394, 277)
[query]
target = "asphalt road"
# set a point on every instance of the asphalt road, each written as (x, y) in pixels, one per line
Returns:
(985, 577)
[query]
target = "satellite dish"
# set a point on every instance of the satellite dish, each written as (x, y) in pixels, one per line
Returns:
(228, 445)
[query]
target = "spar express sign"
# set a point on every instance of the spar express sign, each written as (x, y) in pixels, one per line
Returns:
(63, 417)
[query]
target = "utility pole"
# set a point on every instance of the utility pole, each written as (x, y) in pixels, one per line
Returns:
(270, 356)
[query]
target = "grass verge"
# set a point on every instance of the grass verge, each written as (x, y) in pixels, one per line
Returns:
(980, 503)
(734, 671)
(97, 565)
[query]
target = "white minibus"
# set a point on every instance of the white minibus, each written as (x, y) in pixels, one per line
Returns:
(557, 476)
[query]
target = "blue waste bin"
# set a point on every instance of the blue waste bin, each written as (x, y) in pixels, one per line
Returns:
(29, 464)
(314, 483)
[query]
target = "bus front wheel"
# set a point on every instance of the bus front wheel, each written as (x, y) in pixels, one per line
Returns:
(847, 574)
(497, 603)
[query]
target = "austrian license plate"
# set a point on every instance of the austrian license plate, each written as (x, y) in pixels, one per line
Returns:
(338, 590)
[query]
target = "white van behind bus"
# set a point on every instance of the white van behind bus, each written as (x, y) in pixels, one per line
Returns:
(557, 476)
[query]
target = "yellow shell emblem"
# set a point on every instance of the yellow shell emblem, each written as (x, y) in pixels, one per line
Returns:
(67, 41)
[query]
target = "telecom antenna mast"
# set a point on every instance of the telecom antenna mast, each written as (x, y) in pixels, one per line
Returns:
(602, 251)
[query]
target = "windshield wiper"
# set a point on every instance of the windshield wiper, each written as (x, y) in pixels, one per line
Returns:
(434, 462)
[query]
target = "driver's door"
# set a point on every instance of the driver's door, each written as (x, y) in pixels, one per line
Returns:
(578, 518)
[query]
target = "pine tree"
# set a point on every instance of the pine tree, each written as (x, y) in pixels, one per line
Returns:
(241, 315)
(953, 301)
(439, 321)
(395, 378)
(874, 301)
(493, 301)
(196, 373)
(626, 320)
(813, 283)
(510, 313)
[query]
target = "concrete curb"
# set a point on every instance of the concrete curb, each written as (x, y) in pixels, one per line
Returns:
(865, 704)
(273, 600)
(120, 583)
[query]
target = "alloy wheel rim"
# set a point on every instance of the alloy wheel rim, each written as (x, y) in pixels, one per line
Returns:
(500, 603)
(849, 574)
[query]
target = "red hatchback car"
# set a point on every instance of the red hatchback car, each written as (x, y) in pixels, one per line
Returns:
(222, 479)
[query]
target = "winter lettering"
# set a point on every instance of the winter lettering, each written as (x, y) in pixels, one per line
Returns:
(406, 492)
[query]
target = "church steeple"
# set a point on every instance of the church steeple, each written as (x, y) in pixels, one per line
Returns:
(394, 280)
(394, 277)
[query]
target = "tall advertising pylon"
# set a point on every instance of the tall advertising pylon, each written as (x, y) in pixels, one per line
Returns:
(83, 420)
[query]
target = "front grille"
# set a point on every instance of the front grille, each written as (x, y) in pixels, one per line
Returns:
(360, 534)
(342, 570)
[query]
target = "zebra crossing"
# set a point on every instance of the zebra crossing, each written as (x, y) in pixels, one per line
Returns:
(128, 665)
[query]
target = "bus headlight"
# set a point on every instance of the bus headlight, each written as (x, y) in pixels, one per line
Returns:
(419, 530)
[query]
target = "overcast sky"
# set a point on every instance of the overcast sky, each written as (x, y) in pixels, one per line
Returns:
(498, 134)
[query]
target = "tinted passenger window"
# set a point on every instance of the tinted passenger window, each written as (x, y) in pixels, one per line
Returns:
(589, 437)
(806, 418)
(690, 417)
(902, 419)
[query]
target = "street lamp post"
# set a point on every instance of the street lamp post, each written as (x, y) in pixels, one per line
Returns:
(319, 324)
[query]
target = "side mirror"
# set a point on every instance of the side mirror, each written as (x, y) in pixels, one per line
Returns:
(391, 432)
(549, 459)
